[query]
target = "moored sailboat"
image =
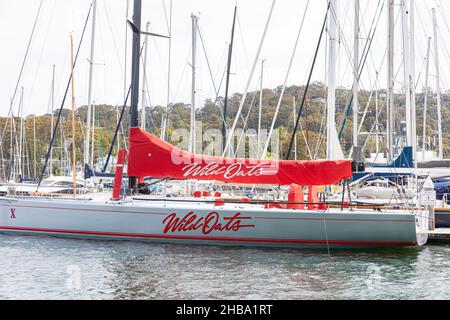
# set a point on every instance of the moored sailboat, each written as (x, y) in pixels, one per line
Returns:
(214, 220)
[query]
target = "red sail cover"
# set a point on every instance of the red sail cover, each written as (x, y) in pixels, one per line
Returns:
(153, 157)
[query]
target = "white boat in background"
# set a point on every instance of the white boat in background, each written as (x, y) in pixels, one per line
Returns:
(384, 189)
(54, 185)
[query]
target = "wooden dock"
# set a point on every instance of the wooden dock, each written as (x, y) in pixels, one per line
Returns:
(440, 235)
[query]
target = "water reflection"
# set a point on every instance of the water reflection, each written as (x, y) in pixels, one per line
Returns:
(37, 268)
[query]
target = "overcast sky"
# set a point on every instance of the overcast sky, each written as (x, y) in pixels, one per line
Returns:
(59, 18)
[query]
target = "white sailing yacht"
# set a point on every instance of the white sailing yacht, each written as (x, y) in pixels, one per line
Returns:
(211, 219)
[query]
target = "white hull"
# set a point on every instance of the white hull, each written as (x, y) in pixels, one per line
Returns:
(231, 225)
(384, 193)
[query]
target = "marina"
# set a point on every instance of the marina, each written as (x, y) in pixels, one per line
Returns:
(333, 184)
(440, 235)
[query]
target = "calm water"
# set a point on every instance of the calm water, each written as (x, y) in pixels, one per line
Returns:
(52, 268)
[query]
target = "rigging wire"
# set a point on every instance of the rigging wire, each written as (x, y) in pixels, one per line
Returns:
(245, 126)
(22, 67)
(36, 73)
(119, 125)
(432, 57)
(285, 80)
(116, 132)
(147, 93)
(227, 145)
(44, 168)
(359, 72)
(216, 89)
(116, 50)
(243, 43)
(291, 143)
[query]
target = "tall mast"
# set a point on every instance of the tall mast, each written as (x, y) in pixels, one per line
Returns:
(165, 117)
(135, 73)
(438, 85)
(20, 151)
(11, 150)
(406, 72)
(227, 83)
(12, 171)
(50, 167)
(63, 150)
(390, 81)
(125, 84)
(425, 102)
(294, 114)
(93, 134)
(144, 78)
(412, 78)
(355, 73)
(377, 124)
(260, 108)
(194, 66)
(125, 89)
(332, 57)
(74, 150)
(34, 146)
(91, 71)
(26, 165)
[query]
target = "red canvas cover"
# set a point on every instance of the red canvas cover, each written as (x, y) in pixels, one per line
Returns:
(153, 157)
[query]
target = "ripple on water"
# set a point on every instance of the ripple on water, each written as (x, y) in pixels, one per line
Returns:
(49, 268)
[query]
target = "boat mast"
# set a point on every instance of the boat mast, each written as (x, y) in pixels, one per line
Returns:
(227, 84)
(294, 114)
(390, 87)
(355, 76)
(412, 78)
(125, 87)
(260, 108)
(425, 102)
(332, 57)
(34, 146)
(127, 10)
(93, 134)
(52, 120)
(135, 74)
(438, 85)
(74, 149)
(406, 72)
(20, 151)
(64, 152)
(165, 117)
(89, 102)
(193, 88)
(12, 151)
(10, 167)
(26, 165)
(144, 78)
(377, 124)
